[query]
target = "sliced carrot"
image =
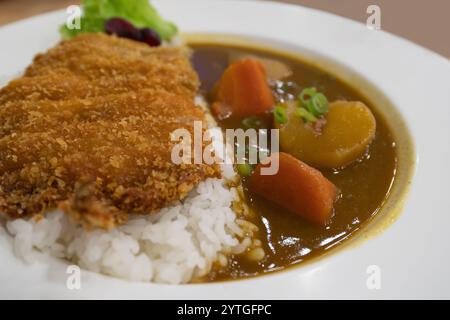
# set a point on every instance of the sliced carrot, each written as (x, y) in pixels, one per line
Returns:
(244, 89)
(297, 187)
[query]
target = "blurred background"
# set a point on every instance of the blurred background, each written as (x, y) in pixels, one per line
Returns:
(426, 22)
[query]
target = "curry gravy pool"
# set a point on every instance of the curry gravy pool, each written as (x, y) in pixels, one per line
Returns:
(365, 185)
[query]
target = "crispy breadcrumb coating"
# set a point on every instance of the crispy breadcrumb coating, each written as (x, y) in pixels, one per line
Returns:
(87, 130)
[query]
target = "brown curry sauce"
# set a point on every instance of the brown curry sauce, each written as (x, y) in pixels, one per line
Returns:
(364, 185)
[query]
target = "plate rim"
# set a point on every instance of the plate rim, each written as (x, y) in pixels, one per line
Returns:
(268, 279)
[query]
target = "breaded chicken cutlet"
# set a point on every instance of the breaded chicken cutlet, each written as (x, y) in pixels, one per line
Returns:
(87, 130)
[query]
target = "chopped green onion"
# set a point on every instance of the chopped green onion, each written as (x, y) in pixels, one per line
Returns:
(280, 114)
(252, 123)
(314, 102)
(305, 114)
(310, 92)
(319, 105)
(245, 169)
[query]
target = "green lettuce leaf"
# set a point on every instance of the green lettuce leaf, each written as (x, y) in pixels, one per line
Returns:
(139, 12)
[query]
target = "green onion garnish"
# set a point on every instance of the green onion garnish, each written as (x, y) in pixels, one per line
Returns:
(310, 92)
(305, 115)
(245, 169)
(313, 104)
(252, 123)
(280, 114)
(319, 105)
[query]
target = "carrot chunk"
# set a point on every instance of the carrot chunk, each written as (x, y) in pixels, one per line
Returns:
(244, 90)
(296, 187)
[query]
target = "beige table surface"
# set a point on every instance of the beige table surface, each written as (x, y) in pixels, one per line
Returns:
(426, 22)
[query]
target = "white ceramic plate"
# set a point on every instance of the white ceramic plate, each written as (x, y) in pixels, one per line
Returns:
(413, 254)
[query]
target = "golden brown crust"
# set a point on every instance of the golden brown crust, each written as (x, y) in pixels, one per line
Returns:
(97, 111)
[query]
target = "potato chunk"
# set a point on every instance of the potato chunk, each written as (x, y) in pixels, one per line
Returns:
(350, 127)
